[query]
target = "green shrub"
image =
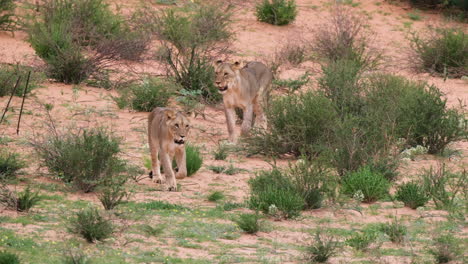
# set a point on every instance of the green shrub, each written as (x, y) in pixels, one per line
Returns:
(395, 230)
(84, 158)
(361, 240)
(194, 159)
(7, 8)
(442, 50)
(299, 124)
(217, 169)
(249, 223)
(10, 73)
(216, 196)
(372, 185)
(272, 189)
(10, 164)
(151, 93)
(160, 205)
(292, 85)
(412, 195)
(26, 200)
(445, 188)
(112, 191)
(8, 258)
(91, 225)
(446, 248)
(221, 153)
(292, 52)
(228, 206)
(323, 247)
(153, 231)
(188, 39)
(277, 12)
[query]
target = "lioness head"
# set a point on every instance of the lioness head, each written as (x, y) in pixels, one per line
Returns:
(225, 74)
(179, 126)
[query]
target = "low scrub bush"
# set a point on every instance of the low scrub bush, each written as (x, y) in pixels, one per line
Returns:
(395, 230)
(372, 185)
(221, 153)
(446, 248)
(194, 159)
(8, 258)
(442, 50)
(228, 206)
(161, 205)
(7, 9)
(84, 157)
(91, 225)
(10, 73)
(145, 96)
(292, 85)
(249, 223)
(153, 231)
(323, 247)
(216, 196)
(10, 164)
(445, 188)
(293, 53)
(412, 195)
(271, 189)
(19, 201)
(112, 191)
(361, 240)
(277, 12)
(76, 258)
(299, 124)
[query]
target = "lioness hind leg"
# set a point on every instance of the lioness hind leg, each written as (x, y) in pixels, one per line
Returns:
(247, 122)
(155, 164)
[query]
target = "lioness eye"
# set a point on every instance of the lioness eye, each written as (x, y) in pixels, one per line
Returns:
(186, 126)
(225, 73)
(177, 125)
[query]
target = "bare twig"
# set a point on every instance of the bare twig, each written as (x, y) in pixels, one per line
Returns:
(9, 100)
(22, 103)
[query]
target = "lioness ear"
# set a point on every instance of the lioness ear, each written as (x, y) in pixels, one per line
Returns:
(236, 65)
(170, 115)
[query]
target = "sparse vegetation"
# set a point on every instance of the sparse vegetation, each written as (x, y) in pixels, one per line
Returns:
(91, 225)
(7, 8)
(442, 50)
(361, 240)
(216, 196)
(76, 258)
(395, 230)
(412, 195)
(82, 157)
(153, 231)
(221, 153)
(249, 223)
(372, 184)
(323, 247)
(194, 159)
(8, 258)
(10, 73)
(10, 164)
(19, 201)
(446, 248)
(277, 12)
(145, 96)
(112, 191)
(292, 85)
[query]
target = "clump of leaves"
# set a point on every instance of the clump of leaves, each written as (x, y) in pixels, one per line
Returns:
(412, 195)
(153, 231)
(19, 201)
(446, 248)
(361, 240)
(249, 223)
(292, 85)
(8, 258)
(10, 164)
(221, 153)
(112, 191)
(395, 230)
(91, 225)
(216, 196)
(323, 247)
(277, 12)
(372, 184)
(194, 159)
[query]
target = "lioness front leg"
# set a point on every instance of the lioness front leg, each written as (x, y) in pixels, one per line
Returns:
(230, 120)
(155, 164)
(247, 122)
(169, 173)
(181, 164)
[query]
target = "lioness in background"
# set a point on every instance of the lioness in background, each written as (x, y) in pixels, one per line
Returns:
(167, 130)
(246, 88)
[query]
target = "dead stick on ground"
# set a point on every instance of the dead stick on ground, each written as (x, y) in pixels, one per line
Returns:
(9, 100)
(22, 103)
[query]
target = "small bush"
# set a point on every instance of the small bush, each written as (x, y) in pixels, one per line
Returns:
(412, 195)
(292, 52)
(249, 223)
(153, 231)
(10, 164)
(277, 12)
(216, 196)
(83, 157)
(161, 205)
(446, 248)
(361, 240)
(292, 85)
(395, 230)
(272, 188)
(10, 73)
(21, 202)
(299, 124)
(228, 206)
(76, 258)
(194, 159)
(8, 258)
(112, 191)
(7, 8)
(445, 188)
(221, 153)
(231, 170)
(323, 247)
(151, 93)
(373, 185)
(91, 225)
(442, 50)
(217, 169)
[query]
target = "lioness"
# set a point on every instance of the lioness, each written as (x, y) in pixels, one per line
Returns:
(167, 130)
(246, 88)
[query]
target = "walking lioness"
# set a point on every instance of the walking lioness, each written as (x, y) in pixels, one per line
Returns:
(246, 88)
(167, 131)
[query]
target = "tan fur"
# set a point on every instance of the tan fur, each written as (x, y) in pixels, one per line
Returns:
(246, 88)
(167, 131)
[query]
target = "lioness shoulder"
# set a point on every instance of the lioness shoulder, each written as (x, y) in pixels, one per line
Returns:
(167, 132)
